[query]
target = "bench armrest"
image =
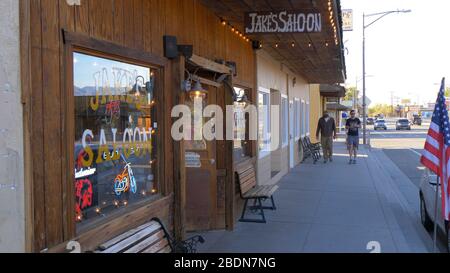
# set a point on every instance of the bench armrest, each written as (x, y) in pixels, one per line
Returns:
(188, 245)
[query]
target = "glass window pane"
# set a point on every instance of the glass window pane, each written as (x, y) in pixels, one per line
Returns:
(114, 147)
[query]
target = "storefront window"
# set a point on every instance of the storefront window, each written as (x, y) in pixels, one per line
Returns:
(264, 123)
(240, 124)
(284, 120)
(115, 129)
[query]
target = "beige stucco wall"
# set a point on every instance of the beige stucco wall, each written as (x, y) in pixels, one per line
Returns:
(12, 219)
(316, 110)
(272, 75)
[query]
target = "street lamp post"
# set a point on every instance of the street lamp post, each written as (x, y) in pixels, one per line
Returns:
(380, 15)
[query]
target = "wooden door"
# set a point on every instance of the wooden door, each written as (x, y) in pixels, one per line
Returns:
(201, 176)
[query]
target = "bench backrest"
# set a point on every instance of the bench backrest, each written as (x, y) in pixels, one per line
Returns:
(247, 178)
(151, 237)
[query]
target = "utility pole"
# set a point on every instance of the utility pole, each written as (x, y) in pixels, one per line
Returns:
(379, 16)
(392, 103)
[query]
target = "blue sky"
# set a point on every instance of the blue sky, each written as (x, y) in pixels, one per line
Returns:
(406, 53)
(86, 66)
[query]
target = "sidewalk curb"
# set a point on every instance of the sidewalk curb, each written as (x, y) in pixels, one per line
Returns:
(384, 176)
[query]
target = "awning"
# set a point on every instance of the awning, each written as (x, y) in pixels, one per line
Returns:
(332, 90)
(318, 56)
(337, 107)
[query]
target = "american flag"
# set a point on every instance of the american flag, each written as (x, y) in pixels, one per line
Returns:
(436, 154)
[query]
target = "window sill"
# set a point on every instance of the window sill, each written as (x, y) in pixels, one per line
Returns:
(104, 220)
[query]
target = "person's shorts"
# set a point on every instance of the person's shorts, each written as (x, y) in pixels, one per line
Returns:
(353, 141)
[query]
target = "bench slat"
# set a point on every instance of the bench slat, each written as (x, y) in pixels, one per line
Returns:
(248, 186)
(263, 191)
(165, 250)
(247, 172)
(244, 169)
(243, 179)
(133, 239)
(123, 236)
(155, 248)
(147, 242)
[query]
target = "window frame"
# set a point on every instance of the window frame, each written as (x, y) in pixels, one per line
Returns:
(303, 118)
(78, 43)
(297, 116)
(285, 120)
(263, 152)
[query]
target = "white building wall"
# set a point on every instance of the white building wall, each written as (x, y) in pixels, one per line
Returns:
(12, 218)
(272, 75)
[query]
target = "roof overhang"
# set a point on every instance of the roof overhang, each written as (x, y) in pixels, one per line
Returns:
(332, 90)
(315, 55)
(337, 107)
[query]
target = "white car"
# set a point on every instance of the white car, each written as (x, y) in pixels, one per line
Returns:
(427, 203)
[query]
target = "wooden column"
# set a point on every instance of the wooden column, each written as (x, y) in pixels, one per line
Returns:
(229, 180)
(179, 170)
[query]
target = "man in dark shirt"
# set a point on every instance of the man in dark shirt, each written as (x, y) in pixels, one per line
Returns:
(352, 125)
(327, 130)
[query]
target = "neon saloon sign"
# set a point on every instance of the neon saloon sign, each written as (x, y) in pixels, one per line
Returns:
(283, 22)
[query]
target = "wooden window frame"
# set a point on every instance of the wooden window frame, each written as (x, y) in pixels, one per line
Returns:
(74, 42)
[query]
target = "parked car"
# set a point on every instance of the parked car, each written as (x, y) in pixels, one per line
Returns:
(427, 197)
(380, 124)
(403, 124)
(370, 121)
(417, 120)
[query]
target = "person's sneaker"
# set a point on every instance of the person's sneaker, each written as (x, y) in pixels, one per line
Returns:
(325, 161)
(331, 160)
(354, 161)
(351, 161)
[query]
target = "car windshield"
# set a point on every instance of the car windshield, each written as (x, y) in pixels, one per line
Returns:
(403, 120)
(380, 121)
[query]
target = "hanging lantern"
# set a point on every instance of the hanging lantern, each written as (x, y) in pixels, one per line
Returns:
(198, 91)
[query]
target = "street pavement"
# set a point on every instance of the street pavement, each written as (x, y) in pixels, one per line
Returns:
(334, 208)
(404, 149)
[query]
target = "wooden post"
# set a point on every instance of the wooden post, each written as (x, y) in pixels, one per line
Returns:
(229, 180)
(179, 171)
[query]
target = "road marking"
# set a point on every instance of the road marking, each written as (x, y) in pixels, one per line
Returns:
(416, 152)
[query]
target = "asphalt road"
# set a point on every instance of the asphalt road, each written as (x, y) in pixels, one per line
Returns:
(404, 149)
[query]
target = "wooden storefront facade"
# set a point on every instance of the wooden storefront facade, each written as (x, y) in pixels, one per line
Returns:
(131, 32)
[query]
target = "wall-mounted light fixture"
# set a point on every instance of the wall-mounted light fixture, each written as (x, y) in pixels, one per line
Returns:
(198, 91)
(145, 89)
(195, 91)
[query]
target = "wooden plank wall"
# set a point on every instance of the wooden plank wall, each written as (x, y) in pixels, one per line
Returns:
(137, 24)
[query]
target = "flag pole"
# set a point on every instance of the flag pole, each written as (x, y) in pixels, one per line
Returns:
(435, 214)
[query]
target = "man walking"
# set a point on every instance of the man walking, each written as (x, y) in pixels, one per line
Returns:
(352, 126)
(327, 130)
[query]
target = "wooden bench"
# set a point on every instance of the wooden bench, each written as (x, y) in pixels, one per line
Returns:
(151, 237)
(250, 191)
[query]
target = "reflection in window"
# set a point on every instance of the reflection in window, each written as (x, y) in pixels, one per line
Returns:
(264, 122)
(241, 148)
(284, 120)
(115, 130)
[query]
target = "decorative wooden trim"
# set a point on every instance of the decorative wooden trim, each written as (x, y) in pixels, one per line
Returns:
(25, 72)
(137, 56)
(206, 81)
(210, 65)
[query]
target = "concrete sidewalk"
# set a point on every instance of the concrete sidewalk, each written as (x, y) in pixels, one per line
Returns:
(334, 207)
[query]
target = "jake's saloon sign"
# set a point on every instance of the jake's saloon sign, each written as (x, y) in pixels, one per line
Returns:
(283, 22)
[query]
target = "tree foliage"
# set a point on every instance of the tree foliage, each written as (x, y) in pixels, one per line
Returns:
(384, 109)
(351, 91)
